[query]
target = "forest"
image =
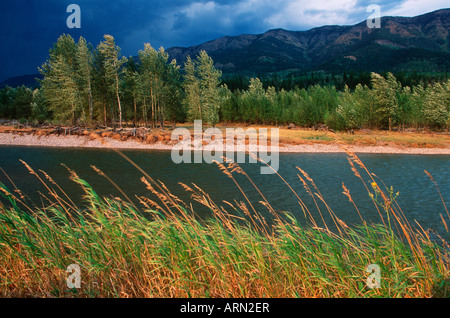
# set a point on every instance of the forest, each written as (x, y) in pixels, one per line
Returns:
(95, 86)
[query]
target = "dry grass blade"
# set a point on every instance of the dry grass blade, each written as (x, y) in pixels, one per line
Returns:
(346, 192)
(114, 184)
(439, 191)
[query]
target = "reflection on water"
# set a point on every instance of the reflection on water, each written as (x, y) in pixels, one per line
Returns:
(418, 197)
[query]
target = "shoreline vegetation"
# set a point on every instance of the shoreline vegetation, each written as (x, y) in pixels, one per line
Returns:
(161, 249)
(86, 85)
(291, 139)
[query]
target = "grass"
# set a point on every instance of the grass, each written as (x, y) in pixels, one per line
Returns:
(161, 249)
(367, 138)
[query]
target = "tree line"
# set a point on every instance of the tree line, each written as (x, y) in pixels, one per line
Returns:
(385, 105)
(91, 86)
(305, 79)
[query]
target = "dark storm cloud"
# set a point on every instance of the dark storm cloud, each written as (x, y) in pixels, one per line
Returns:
(30, 27)
(181, 21)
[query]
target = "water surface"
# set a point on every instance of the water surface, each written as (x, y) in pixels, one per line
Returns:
(418, 197)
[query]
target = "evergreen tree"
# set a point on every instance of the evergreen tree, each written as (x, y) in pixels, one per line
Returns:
(191, 86)
(102, 95)
(59, 83)
(147, 81)
(39, 106)
(159, 86)
(385, 91)
(112, 64)
(404, 107)
(5, 102)
(209, 87)
(161, 79)
(256, 88)
(84, 59)
(173, 92)
(130, 82)
(201, 85)
(435, 109)
(417, 101)
(22, 102)
(228, 111)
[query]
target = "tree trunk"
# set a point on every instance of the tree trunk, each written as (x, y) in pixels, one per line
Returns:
(118, 101)
(104, 113)
(91, 106)
(73, 115)
(153, 108)
(144, 113)
(134, 103)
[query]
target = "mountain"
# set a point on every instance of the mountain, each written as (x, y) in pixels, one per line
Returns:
(420, 43)
(27, 80)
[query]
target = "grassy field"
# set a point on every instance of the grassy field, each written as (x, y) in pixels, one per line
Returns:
(161, 249)
(402, 139)
(367, 138)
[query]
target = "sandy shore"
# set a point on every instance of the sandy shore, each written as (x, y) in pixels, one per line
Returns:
(89, 142)
(74, 141)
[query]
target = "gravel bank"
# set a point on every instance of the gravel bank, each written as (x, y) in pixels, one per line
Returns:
(89, 142)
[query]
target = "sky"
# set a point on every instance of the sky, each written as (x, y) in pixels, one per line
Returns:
(28, 28)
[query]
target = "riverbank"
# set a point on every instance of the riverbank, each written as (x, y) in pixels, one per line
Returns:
(291, 140)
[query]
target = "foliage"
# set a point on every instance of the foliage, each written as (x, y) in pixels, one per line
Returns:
(60, 82)
(112, 67)
(201, 84)
(86, 86)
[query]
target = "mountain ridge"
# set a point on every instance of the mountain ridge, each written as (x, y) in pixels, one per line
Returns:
(330, 46)
(420, 43)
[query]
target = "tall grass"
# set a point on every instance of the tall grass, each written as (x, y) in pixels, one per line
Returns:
(161, 249)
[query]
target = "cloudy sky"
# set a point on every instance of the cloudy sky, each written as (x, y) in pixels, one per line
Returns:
(28, 28)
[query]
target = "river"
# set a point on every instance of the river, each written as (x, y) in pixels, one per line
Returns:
(418, 196)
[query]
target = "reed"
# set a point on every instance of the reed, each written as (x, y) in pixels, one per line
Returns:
(162, 249)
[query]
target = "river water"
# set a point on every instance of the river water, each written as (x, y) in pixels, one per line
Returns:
(418, 196)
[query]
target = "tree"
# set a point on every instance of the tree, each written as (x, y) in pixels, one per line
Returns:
(112, 64)
(228, 107)
(348, 109)
(164, 73)
(84, 60)
(356, 108)
(39, 106)
(435, 108)
(159, 85)
(173, 92)
(130, 82)
(101, 92)
(385, 91)
(6, 102)
(259, 101)
(201, 85)
(191, 86)
(22, 102)
(417, 101)
(147, 81)
(405, 107)
(59, 83)
(256, 88)
(209, 87)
